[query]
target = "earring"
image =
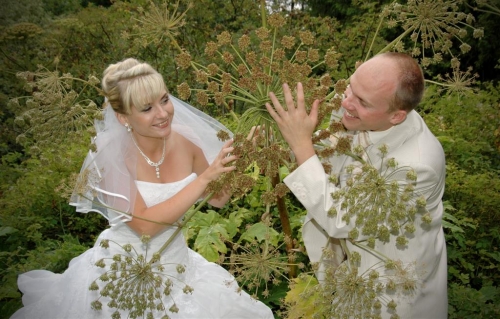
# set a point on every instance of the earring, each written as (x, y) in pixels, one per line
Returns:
(129, 128)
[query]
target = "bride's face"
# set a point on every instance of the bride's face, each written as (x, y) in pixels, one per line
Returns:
(153, 119)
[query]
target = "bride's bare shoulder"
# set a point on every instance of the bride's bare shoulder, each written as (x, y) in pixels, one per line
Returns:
(184, 142)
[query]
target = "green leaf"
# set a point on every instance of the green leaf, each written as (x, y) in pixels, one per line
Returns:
(209, 242)
(302, 307)
(261, 232)
(490, 292)
(209, 252)
(493, 254)
(207, 219)
(284, 172)
(232, 223)
(252, 200)
(7, 230)
(452, 227)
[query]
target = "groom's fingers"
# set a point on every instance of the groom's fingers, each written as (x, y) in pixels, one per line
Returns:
(277, 106)
(300, 97)
(271, 111)
(290, 104)
(313, 114)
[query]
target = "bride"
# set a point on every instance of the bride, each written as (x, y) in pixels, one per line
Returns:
(155, 157)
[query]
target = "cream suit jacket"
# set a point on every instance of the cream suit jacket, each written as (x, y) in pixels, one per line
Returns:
(412, 144)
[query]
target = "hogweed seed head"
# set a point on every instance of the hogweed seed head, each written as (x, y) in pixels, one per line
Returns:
(432, 25)
(158, 23)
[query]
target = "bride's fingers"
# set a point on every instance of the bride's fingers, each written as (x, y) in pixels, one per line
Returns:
(228, 159)
(226, 152)
(228, 143)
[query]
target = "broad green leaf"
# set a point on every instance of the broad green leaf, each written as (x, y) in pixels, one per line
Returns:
(232, 224)
(490, 292)
(301, 307)
(283, 171)
(209, 241)
(261, 232)
(253, 200)
(199, 221)
(209, 252)
(207, 219)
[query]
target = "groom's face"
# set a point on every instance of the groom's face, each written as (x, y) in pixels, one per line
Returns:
(368, 97)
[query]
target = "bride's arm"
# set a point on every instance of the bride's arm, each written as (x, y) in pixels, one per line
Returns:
(200, 165)
(169, 211)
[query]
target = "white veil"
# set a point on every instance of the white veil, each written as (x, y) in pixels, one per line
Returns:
(106, 183)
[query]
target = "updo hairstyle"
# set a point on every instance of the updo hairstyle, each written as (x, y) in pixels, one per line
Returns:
(131, 83)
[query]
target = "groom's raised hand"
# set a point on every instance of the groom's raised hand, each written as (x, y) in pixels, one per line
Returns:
(295, 124)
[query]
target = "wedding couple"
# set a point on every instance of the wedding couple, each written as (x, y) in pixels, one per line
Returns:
(155, 157)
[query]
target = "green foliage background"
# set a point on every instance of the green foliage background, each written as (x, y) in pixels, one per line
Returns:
(39, 230)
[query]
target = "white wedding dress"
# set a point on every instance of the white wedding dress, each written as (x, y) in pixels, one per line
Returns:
(215, 293)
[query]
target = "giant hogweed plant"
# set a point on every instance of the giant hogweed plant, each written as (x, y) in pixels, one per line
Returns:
(239, 75)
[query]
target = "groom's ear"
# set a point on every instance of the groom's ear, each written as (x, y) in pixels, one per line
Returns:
(398, 117)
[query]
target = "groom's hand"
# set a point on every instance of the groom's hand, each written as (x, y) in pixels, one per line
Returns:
(295, 124)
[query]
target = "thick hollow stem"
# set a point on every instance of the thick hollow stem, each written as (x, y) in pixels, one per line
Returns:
(287, 230)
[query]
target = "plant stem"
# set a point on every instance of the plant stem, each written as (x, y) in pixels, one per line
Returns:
(373, 39)
(344, 248)
(187, 217)
(287, 229)
(263, 13)
(399, 38)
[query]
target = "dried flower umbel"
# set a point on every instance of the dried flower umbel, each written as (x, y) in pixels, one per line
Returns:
(157, 23)
(347, 293)
(372, 199)
(458, 82)
(56, 110)
(255, 155)
(136, 285)
(241, 72)
(433, 25)
(255, 265)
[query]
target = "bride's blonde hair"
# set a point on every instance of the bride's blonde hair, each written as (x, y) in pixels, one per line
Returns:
(131, 83)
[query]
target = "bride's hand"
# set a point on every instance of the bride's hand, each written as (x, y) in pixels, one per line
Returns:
(219, 165)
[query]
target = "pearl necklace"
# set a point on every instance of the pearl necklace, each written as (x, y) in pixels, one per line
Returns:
(150, 162)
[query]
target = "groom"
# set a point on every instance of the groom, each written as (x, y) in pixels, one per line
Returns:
(379, 103)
